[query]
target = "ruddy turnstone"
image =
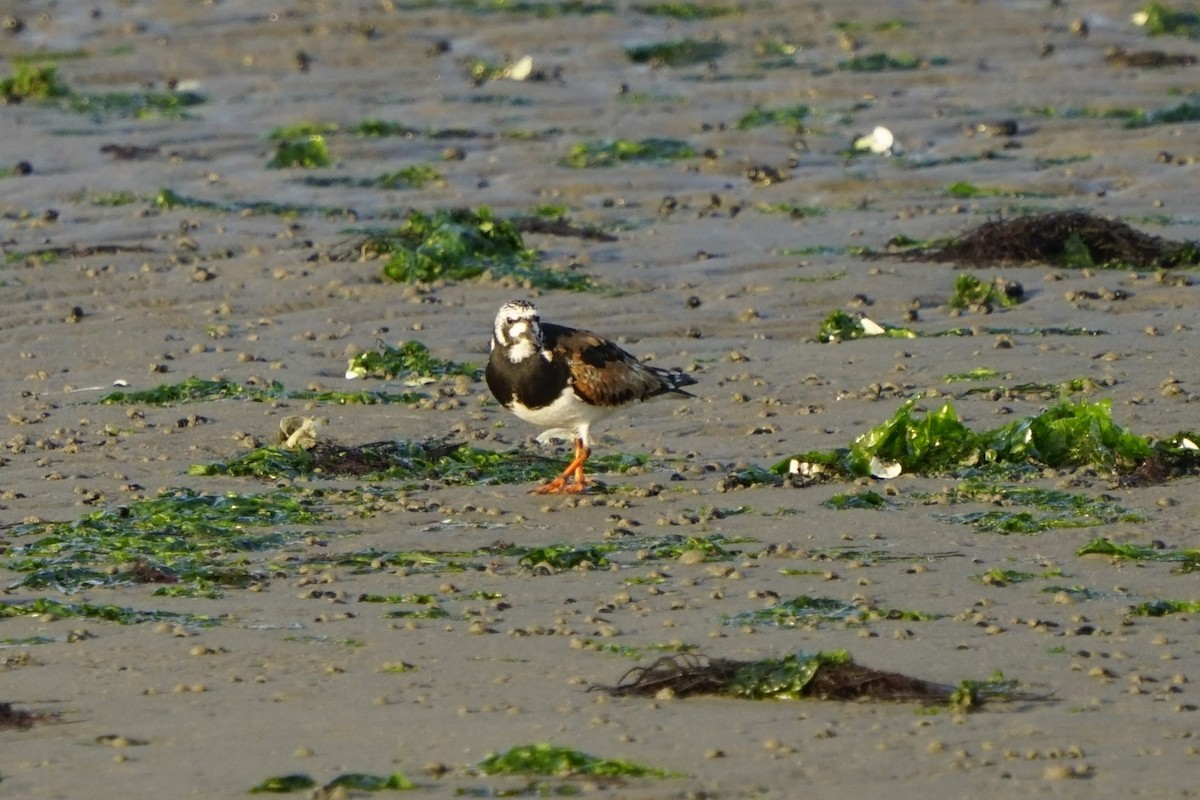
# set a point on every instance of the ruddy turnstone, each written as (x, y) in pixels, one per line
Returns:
(565, 380)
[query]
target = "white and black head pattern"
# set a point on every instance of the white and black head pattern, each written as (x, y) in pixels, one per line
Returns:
(518, 331)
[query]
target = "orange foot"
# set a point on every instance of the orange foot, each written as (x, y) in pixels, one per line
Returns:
(563, 483)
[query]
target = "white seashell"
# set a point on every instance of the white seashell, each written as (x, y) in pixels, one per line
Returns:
(886, 470)
(879, 141)
(871, 328)
(520, 70)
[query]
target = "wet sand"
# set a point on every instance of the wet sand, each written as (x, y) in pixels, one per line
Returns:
(300, 676)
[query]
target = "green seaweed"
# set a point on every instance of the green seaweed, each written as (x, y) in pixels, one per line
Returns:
(1066, 435)
(1055, 509)
(548, 759)
(379, 127)
(107, 613)
(192, 389)
(136, 105)
(29, 82)
(1183, 112)
(113, 199)
(26, 641)
(407, 361)
(840, 326)
(787, 116)
(685, 11)
(176, 538)
(461, 244)
(1189, 559)
(998, 576)
(195, 389)
(281, 784)
(824, 675)
(308, 153)
(1043, 391)
(793, 210)
(414, 177)
(567, 556)
(809, 612)
(880, 62)
(857, 500)
(302, 130)
(42, 84)
(419, 599)
(976, 374)
(969, 695)
(404, 460)
(171, 199)
(678, 53)
(784, 678)
(973, 293)
(671, 547)
(935, 443)
(371, 560)
(868, 557)
(1162, 20)
(268, 463)
(1161, 608)
(1077, 592)
(541, 10)
(421, 612)
(883, 26)
(480, 70)
(610, 152)
(964, 190)
(802, 611)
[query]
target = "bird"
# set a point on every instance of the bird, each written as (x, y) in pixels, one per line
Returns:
(566, 380)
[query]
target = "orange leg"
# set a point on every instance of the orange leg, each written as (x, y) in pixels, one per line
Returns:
(561, 485)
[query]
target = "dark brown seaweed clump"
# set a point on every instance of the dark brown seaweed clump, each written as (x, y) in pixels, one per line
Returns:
(825, 676)
(1061, 238)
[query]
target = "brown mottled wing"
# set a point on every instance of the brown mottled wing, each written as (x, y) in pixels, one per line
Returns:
(605, 375)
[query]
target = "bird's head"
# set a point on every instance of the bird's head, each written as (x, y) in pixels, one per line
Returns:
(518, 330)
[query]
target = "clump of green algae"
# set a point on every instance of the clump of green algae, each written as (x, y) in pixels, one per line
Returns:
(349, 781)
(462, 244)
(1065, 435)
(809, 612)
(41, 84)
(178, 539)
(552, 760)
(435, 459)
(309, 153)
(195, 389)
(610, 152)
(678, 53)
(409, 361)
(830, 675)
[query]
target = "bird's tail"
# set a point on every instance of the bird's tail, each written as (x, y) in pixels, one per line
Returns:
(673, 381)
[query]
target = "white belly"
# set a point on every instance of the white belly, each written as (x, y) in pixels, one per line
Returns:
(566, 418)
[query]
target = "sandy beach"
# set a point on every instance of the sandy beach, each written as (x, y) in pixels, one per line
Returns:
(147, 241)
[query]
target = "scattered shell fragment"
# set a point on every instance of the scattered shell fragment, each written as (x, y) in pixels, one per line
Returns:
(880, 141)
